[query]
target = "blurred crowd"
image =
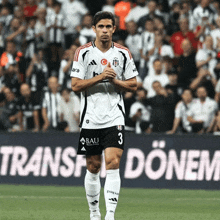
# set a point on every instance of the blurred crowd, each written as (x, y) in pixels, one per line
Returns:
(175, 45)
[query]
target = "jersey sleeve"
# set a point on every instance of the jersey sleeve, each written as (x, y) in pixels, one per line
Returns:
(130, 68)
(78, 68)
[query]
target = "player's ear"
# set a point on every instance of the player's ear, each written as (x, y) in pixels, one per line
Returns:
(114, 28)
(93, 28)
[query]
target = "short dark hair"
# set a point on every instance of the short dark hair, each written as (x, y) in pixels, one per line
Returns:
(103, 15)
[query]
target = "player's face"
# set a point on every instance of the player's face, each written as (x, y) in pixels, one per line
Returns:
(104, 30)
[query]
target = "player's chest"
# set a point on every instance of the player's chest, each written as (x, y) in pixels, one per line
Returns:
(97, 63)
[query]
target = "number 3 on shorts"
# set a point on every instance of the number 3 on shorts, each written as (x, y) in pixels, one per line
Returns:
(121, 138)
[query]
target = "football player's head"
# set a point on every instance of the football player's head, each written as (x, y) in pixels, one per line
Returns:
(104, 26)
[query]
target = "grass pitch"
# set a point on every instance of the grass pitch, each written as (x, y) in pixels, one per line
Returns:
(18, 202)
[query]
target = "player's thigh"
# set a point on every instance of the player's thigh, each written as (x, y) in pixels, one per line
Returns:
(93, 163)
(113, 157)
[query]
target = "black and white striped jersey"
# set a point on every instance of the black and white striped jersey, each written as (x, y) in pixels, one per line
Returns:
(56, 35)
(51, 102)
(102, 105)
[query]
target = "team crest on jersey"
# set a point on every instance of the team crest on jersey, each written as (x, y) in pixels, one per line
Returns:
(119, 127)
(115, 62)
(104, 62)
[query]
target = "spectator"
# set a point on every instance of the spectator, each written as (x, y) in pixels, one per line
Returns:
(187, 64)
(56, 25)
(41, 4)
(40, 29)
(132, 41)
(184, 33)
(173, 86)
(119, 34)
(181, 110)
(37, 75)
(157, 76)
(162, 105)
(159, 50)
(204, 28)
(129, 99)
(28, 110)
(30, 8)
(202, 112)
(6, 17)
(201, 11)
(10, 57)
(206, 57)
(152, 13)
(137, 12)
(86, 34)
(9, 115)
(65, 68)
(216, 33)
(215, 125)
(122, 8)
(74, 11)
(50, 106)
(30, 41)
(11, 78)
(139, 113)
(2, 42)
(16, 33)
(145, 45)
(109, 6)
(206, 61)
(70, 110)
(19, 14)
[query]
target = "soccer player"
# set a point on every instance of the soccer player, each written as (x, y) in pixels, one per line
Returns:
(101, 71)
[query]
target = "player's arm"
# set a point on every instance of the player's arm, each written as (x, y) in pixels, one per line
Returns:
(79, 85)
(129, 85)
(130, 73)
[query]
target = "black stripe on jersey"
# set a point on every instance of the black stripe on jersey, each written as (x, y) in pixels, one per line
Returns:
(84, 111)
(84, 54)
(119, 106)
(125, 60)
(93, 43)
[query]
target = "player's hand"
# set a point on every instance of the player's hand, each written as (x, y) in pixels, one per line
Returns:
(108, 72)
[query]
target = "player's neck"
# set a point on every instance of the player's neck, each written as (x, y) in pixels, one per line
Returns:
(103, 46)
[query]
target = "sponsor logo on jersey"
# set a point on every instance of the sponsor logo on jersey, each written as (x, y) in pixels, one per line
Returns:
(75, 70)
(104, 62)
(93, 62)
(115, 62)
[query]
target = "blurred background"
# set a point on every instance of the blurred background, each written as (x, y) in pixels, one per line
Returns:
(175, 45)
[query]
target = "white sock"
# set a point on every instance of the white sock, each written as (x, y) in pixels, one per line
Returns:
(92, 187)
(111, 191)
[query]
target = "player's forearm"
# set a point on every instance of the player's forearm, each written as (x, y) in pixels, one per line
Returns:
(127, 85)
(79, 85)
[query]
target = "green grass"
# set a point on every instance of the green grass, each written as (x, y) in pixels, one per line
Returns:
(18, 202)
